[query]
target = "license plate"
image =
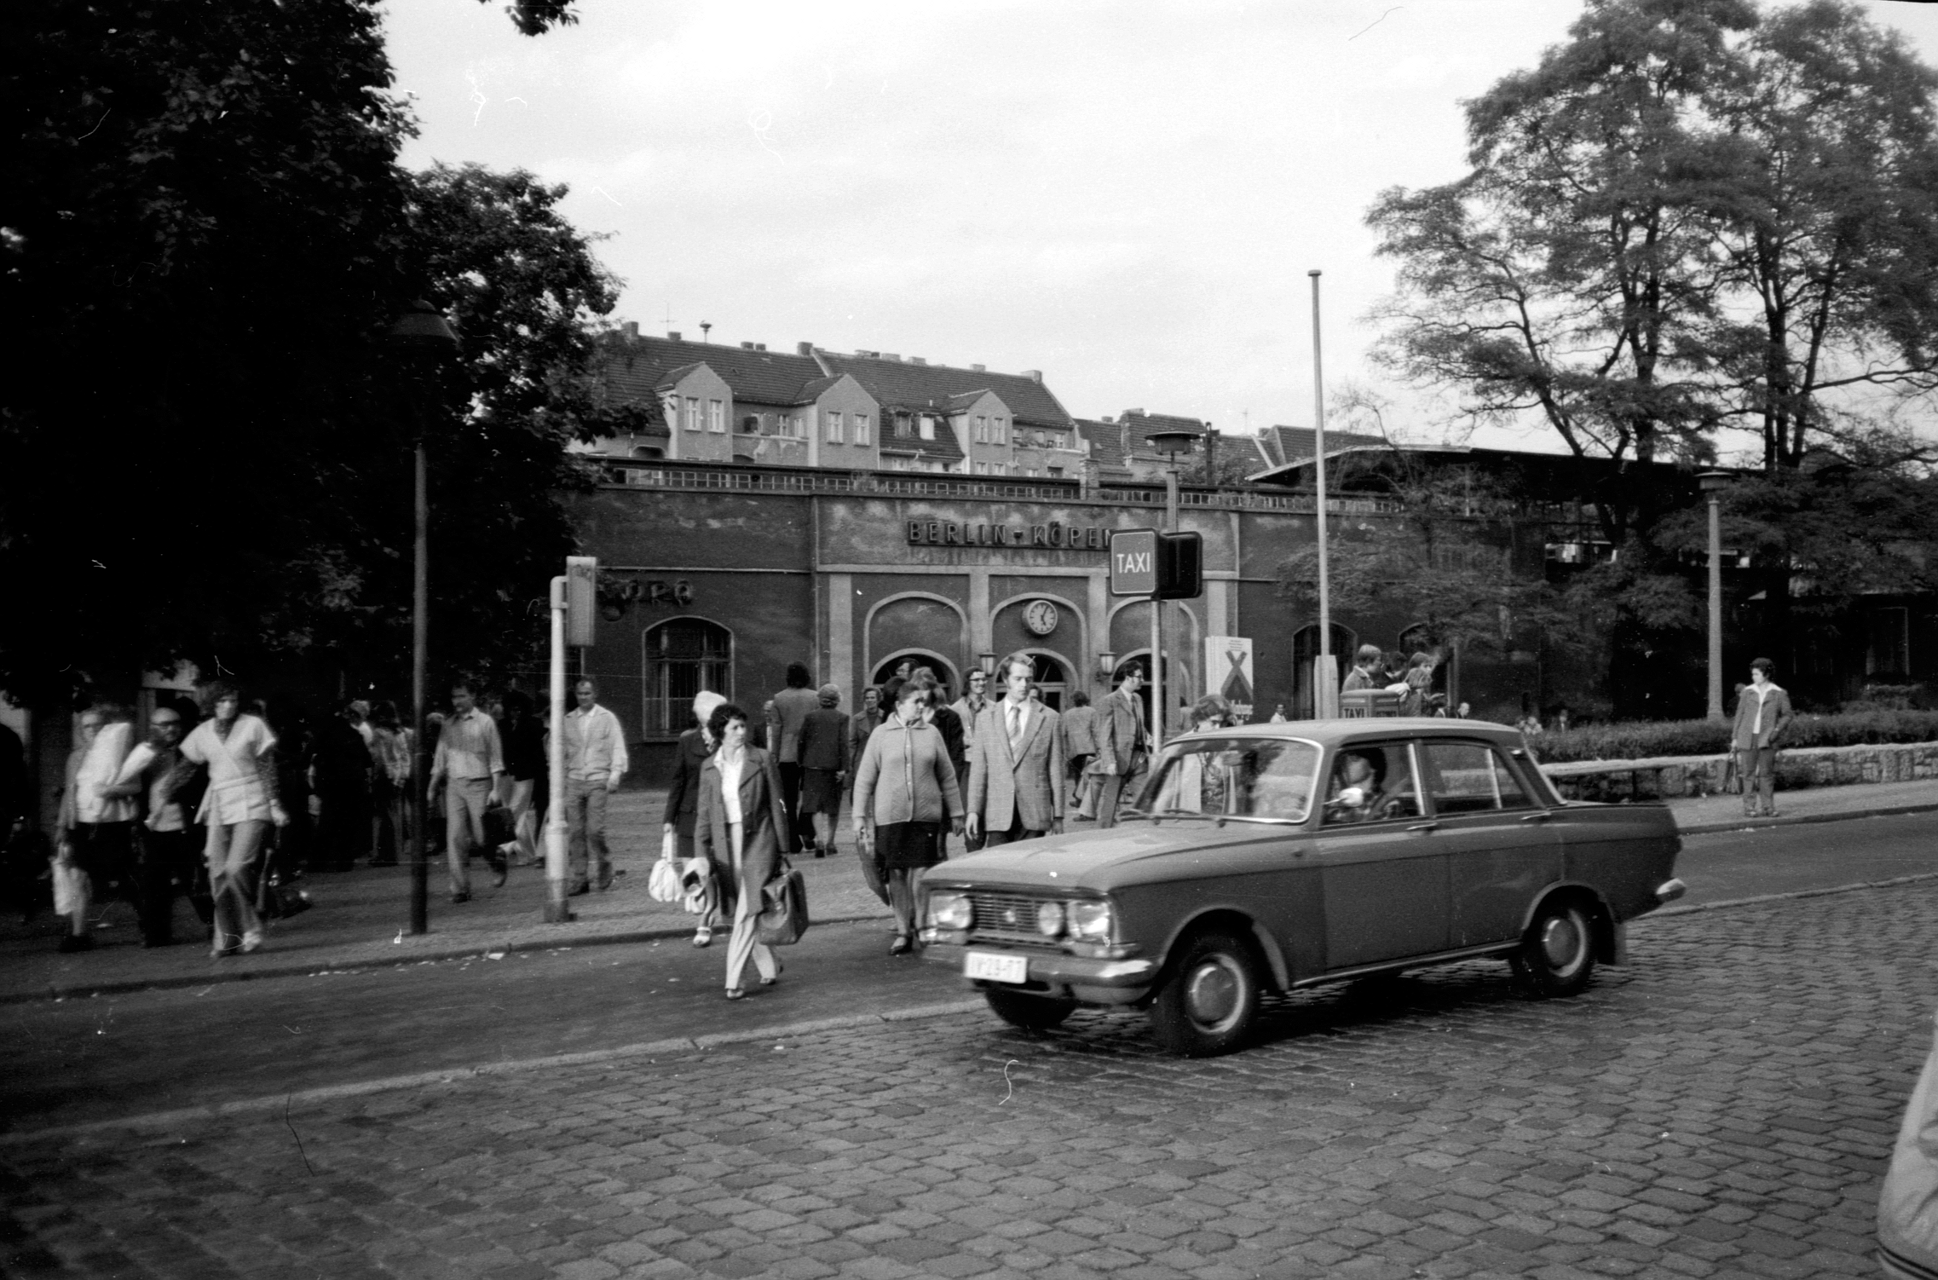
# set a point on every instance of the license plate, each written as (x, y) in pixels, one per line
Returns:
(990, 967)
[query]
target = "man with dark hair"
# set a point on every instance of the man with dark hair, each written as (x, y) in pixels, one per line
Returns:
(595, 761)
(1016, 781)
(1366, 673)
(791, 708)
(1078, 725)
(1122, 743)
(825, 762)
(1762, 714)
(468, 764)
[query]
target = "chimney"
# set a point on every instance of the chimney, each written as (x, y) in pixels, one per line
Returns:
(706, 330)
(804, 348)
(631, 330)
(760, 346)
(746, 346)
(918, 359)
(1034, 375)
(1133, 413)
(978, 368)
(1108, 419)
(890, 355)
(673, 334)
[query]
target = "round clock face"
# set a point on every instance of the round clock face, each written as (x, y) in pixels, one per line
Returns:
(1040, 616)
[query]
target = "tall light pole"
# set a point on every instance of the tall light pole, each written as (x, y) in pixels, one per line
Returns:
(1172, 444)
(422, 340)
(1713, 483)
(1325, 681)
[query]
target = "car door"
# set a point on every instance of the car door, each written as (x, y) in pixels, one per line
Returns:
(1502, 847)
(1382, 872)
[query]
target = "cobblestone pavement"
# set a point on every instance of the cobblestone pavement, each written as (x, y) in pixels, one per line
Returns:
(1722, 1108)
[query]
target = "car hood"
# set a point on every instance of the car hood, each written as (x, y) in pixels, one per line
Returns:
(1139, 851)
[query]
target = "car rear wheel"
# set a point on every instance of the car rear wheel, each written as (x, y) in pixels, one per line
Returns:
(1208, 1005)
(1557, 954)
(1031, 1013)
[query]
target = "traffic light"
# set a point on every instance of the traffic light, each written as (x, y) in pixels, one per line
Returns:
(1180, 566)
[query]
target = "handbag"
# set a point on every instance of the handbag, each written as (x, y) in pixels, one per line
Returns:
(70, 885)
(663, 885)
(696, 878)
(784, 908)
(871, 865)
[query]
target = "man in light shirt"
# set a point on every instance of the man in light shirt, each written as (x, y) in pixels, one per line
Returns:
(97, 829)
(595, 761)
(468, 764)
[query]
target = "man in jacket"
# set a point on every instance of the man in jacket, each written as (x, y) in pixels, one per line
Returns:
(595, 761)
(157, 777)
(1366, 672)
(792, 706)
(1121, 740)
(1016, 782)
(1762, 714)
(1079, 747)
(824, 759)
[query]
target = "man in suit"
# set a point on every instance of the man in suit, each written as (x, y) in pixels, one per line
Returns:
(1016, 774)
(1120, 735)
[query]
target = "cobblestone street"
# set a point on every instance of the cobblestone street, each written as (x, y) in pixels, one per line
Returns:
(1722, 1108)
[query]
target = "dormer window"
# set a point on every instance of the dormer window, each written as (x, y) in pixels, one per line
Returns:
(928, 426)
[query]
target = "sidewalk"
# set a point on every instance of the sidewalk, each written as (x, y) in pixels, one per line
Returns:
(360, 918)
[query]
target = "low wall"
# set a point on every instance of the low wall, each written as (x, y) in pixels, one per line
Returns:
(1668, 777)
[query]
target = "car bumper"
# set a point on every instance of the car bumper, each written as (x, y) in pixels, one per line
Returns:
(1056, 974)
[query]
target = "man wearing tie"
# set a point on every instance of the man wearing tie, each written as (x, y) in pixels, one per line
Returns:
(1121, 740)
(1016, 764)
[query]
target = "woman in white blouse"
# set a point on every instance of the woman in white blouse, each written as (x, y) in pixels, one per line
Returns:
(239, 806)
(741, 829)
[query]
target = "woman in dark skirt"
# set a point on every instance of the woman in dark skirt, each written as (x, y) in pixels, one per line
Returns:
(905, 791)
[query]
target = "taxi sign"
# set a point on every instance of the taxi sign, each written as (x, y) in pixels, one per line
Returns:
(1133, 562)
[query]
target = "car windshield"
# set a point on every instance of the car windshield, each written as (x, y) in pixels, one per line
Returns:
(1235, 776)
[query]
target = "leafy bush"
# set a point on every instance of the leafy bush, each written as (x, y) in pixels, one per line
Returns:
(1637, 740)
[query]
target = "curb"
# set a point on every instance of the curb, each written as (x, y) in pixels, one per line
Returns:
(274, 1103)
(1807, 819)
(169, 982)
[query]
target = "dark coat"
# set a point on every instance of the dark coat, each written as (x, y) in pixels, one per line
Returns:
(683, 797)
(824, 741)
(764, 816)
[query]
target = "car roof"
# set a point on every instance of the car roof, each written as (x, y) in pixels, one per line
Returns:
(1362, 728)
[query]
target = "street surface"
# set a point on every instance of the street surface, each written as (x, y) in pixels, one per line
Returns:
(1724, 1106)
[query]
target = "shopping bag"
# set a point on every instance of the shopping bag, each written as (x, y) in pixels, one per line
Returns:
(70, 886)
(663, 885)
(871, 867)
(784, 908)
(696, 875)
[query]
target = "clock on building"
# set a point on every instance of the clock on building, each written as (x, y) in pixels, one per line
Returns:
(1040, 616)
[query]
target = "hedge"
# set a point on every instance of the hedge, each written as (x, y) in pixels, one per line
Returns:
(1641, 739)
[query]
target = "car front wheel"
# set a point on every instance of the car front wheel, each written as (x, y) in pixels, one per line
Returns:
(1031, 1013)
(1208, 1005)
(1557, 954)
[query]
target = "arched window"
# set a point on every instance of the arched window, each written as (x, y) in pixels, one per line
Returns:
(945, 671)
(682, 657)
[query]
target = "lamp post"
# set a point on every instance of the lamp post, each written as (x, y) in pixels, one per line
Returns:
(1172, 444)
(1325, 684)
(422, 340)
(1713, 483)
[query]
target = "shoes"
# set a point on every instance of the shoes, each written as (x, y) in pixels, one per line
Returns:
(498, 874)
(251, 940)
(900, 946)
(736, 993)
(605, 878)
(223, 944)
(577, 890)
(703, 935)
(72, 942)
(461, 897)
(768, 982)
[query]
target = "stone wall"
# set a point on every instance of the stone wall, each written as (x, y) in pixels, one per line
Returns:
(1704, 775)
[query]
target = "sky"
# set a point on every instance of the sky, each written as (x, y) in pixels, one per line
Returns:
(1127, 196)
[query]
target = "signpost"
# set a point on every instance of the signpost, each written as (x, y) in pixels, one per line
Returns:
(574, 608)
(1133, 562)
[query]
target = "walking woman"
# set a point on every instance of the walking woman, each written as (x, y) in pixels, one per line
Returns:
(239, 806)
(905, 789)
(683, 805)
(741, 830)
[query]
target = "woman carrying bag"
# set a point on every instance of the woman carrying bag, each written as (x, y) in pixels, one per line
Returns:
(905, 789)
(741, 830)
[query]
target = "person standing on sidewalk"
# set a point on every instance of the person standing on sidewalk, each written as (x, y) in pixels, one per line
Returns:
(696, 745)
(824, 759)
(96, 828)
(742, 832)
(468, 762)
(792, 706)
(238, 809)
(905, 789)
(1121, 742)
(595, 761)
(1762, 714)
(389, 782)
(1016, 788)
(158, 776)
(341, 775)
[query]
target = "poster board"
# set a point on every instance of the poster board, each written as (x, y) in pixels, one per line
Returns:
(1229, 673)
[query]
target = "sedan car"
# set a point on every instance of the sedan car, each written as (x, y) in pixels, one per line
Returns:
(1275, 857)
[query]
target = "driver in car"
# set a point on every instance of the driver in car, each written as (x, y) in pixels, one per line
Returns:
(1353, 789)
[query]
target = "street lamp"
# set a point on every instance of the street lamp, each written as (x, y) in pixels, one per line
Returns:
(422, 341)
(1173, 445)
(987, 661)
(1106, 665)
(1325, 684)
(1713, 483)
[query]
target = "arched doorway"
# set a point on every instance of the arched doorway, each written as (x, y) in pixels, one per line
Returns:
(1051, 679)
(945, 671)
(680, 658)
(1305, 648)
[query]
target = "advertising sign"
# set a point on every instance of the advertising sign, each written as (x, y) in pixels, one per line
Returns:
(1228, 672)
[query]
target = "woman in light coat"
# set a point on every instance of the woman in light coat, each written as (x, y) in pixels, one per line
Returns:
(905, 789)
(741, 830)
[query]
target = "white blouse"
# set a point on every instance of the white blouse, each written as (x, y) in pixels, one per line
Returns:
(235, 793)
(730, 785)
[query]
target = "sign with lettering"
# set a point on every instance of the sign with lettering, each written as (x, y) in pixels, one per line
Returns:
(1054, 535)
(1133, 562)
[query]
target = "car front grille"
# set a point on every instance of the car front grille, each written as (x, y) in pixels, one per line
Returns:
(1006, 916)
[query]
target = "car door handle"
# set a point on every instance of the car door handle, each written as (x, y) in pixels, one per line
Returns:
(1536, 817)
(1424, 826)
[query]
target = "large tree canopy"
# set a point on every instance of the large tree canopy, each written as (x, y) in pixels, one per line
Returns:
(204, 236)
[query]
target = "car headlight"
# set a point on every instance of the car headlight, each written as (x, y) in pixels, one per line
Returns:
(950, 910)
(1049, 919)
(1090, 921)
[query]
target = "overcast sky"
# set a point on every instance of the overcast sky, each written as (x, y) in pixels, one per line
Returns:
(1125, 195)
